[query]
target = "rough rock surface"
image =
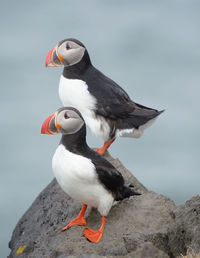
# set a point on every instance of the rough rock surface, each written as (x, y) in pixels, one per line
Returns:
(184, 235)
(149, 225)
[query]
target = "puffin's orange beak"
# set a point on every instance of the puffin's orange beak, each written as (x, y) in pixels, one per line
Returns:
(45, 126)
(48, 61)
(52, 60)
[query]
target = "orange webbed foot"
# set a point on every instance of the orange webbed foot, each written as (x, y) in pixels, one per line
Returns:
(92, 235)
(95, 236)
(80, 220)
(77, 221)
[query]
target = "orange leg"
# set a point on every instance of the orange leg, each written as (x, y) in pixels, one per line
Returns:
(95, 236)
(80, 220)
(106, 145)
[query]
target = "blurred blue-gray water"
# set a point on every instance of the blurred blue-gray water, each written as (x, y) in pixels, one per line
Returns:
(150, 48)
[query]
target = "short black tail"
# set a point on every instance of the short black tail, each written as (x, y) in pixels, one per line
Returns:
(140, 116)
(126, 192)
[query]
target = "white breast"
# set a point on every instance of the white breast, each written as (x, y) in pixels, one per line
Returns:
(74, 93)
(77, 177)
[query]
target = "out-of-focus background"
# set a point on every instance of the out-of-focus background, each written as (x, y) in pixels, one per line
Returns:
(150, 48)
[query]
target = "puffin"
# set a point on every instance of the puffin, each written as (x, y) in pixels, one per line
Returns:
(106, 108)
(81, 172)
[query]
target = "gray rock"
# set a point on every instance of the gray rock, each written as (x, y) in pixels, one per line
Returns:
(148, 250)
(148, 225)
(184, 235)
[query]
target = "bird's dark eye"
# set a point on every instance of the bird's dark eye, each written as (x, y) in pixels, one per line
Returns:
(65, 115)
(67, 46)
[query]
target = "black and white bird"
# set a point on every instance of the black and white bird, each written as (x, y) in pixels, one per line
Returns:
(81, 172)
(106, 108)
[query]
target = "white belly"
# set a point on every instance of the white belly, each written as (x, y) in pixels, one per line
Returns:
(77, 177)
(74, 93)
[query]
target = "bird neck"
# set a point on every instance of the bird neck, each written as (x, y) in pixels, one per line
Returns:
(76, 142)
(78, 70)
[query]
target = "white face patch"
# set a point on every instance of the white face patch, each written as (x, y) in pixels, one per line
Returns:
(71, 52)
(69, 121)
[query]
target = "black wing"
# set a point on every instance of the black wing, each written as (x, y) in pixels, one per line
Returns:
(110, 178)
(113, 181)
(107, 174)
(112, 101)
